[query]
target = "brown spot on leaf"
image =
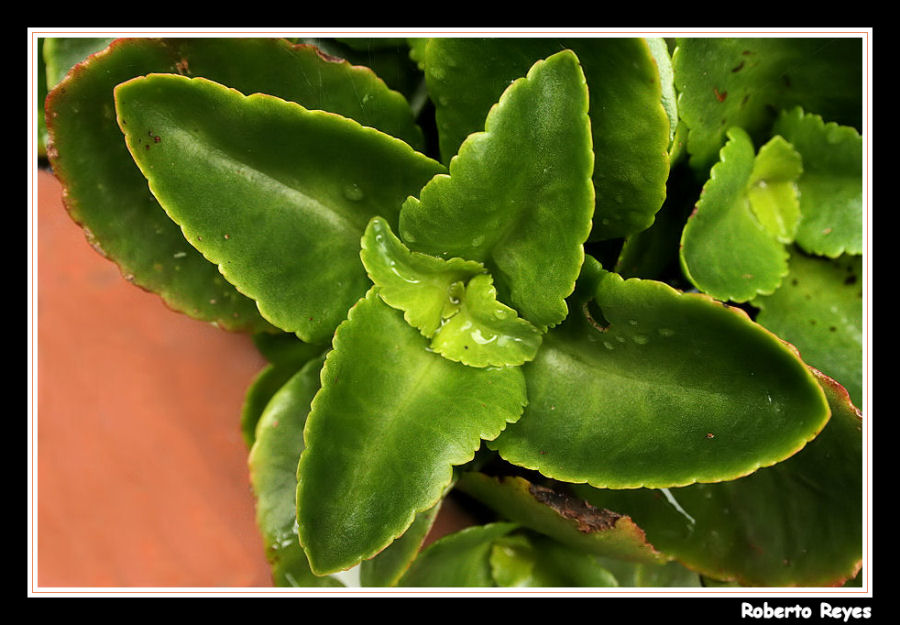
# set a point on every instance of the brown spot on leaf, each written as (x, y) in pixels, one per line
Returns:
(720, 96)
(739, 67)
(587, 518)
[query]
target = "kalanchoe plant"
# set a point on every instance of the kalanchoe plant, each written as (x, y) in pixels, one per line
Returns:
(605, 291)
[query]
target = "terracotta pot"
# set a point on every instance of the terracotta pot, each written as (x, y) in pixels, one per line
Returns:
(141, 471)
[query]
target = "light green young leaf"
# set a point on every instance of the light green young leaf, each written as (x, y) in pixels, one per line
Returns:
(772, 188)
(725, 250)
(519, 194)
(275, 194)
(675, 388)
(391, 421)
(452, 302)
(485, 332)
(426, 288)
(831, 184)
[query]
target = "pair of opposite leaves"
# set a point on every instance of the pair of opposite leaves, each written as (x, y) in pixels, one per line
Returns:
(348, 514)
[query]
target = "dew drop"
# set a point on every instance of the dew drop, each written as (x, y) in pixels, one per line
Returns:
(607, 345)
(666, 332)
(478, 240)
(640, 339)
(353, 193)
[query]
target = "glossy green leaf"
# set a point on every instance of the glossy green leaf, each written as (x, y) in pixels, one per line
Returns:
(724, 82)
(426, 288)
(675, 388)
(485, 332)
(273, 465)
(537, 561)
(566, 519)
(279, 205)
(772, 188)
(797, 523)
(461, 559)
(629, 121)
(725, 250)
(819, 310)
(519, 194)
(107, 194)
(390, 422)
(831, 184)
(452, 302)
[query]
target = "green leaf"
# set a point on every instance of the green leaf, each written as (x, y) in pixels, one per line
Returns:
(675, 388)
(629, 121)
(266, 383)
(797, 523)
(725, 82)
(273, 464)
(453, 302)
(391, 421)
(279, 205)
(286, 359)
(426, 288)
(519, 194)
(63, 53)
(725, 250)
(285, 349)
(536, 561)
(106, 193)
(306, 75)
(484, 332)
(390, 565)
(819, 310)
(564, 518)
(772, 188)
(831, 184)
(660, 51)
(461, 559)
